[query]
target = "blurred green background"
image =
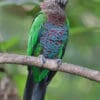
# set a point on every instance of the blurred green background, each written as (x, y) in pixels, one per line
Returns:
(83, 47)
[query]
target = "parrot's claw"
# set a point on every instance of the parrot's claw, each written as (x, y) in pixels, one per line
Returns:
(43, 59)
(59, 62)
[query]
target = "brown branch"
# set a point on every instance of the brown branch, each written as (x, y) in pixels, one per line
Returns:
(50, 64)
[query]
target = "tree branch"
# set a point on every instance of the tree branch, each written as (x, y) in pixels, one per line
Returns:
(50, 64)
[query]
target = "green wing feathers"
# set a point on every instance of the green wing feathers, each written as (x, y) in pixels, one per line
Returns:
(34, 32)
(32, 42)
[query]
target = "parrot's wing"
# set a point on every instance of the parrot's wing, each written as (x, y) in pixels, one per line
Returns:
(34, 32)
(62, 50)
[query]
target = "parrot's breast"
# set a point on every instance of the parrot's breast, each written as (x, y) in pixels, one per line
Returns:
(52, 38)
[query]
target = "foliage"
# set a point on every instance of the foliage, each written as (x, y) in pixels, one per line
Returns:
(83, 48)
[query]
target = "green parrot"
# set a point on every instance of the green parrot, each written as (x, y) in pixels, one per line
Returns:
(48, 37)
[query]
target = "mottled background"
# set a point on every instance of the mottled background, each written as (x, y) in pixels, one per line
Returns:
(83, 48)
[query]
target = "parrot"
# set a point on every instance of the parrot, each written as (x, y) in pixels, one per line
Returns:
(47, 39)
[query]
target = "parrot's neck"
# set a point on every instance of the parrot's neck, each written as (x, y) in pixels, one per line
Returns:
(56, 19)
(54, 13)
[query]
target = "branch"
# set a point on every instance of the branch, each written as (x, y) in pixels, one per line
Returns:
(50, 64)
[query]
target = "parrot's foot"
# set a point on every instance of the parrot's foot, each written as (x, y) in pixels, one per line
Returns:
(59, 62)
(43, 59)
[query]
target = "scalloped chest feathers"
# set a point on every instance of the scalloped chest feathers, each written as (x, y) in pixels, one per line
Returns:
(52, 38)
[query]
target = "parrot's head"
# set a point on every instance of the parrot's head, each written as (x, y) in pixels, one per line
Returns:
(55, 10)
(54, 6)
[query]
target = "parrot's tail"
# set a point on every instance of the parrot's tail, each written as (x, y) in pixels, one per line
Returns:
(34, 91)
